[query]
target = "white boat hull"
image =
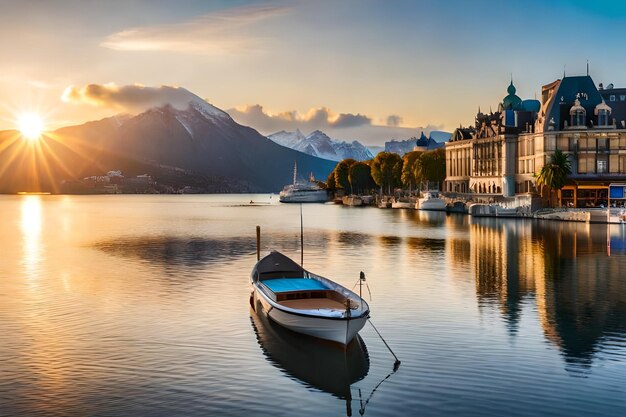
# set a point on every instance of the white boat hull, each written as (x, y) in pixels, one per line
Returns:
(334, 329)
(318, 196)
(337, 330)
(435, 204)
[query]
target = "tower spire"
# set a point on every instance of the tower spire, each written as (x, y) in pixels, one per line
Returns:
(587, 68)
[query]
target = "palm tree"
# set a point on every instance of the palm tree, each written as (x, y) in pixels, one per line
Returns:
(554, 174)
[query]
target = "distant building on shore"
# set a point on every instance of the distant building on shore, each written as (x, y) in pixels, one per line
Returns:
(505, 150)
(424, 143)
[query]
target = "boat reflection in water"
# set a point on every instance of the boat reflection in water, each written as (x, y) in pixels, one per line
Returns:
(318, 363)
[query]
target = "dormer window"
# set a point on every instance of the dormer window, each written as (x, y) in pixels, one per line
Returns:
(603, 111)
(578, 115)
(612, 97)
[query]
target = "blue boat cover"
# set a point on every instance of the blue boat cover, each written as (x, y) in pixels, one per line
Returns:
(293, 284)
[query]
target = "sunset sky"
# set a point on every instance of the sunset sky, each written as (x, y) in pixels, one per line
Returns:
(367, 70)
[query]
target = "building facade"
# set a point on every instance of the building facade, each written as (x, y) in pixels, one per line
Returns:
(504, 151)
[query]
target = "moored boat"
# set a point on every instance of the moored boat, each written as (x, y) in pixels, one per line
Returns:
(385, 202)
(401, 203)
(307, 303)
(431, 201)
(302, 191)
(352, 201)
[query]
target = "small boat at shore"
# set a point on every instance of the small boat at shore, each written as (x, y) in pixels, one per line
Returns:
(431, 201)
(385, 202)
(306, 303)
(352, 201)
(401, 203)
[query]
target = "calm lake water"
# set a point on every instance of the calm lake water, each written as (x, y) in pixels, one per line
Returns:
(139, 305)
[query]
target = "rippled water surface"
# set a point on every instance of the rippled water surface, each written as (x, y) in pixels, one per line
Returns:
(139, 305)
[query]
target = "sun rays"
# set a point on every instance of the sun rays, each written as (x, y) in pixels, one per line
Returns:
(30, 125)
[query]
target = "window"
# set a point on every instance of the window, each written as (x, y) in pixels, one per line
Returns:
(602, 164)
(563, 143)
(550, 143)
(612, 97)
(602, 142)
(622, 98)
(614, 163)
(586, 163)
(587, 144)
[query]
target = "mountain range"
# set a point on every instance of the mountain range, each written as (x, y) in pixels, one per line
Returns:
(200, 144)
(320, 145)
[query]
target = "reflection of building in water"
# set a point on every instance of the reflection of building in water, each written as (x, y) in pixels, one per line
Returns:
(504, 265)
(580, 297)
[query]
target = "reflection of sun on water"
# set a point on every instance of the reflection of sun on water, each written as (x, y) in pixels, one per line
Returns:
(31, 229)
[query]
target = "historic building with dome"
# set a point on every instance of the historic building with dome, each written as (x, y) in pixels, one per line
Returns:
(502, 153)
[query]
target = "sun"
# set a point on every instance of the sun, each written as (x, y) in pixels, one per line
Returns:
(30, 126)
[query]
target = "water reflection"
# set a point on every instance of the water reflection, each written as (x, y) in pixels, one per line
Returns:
(316, 363)
(170, 250)
(30, 225)
(580, 297)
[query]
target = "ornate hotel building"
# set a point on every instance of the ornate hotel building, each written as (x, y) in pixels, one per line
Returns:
(504, 151)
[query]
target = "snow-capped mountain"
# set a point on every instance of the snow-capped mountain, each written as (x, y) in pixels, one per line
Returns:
(192, 137)
(320, 145)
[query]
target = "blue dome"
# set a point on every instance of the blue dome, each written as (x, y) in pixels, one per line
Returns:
(511, 89)
(511, 102)
(531, 105)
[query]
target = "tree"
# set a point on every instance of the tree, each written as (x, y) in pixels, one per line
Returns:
(360, 177)
(408, 177)
(341, 173)
(330, 182)
(387, 170)
(432, 166)
(553, 175)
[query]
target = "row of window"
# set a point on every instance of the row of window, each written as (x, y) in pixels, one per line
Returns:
(612, 97)
(564, 143)
(601, 164)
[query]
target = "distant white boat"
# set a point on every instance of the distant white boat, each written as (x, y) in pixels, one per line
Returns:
(431, 201)
(302, 191)
(307, 303)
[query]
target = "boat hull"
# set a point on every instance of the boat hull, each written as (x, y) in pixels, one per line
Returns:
(435, 204)
(319, 196)
(339, 330)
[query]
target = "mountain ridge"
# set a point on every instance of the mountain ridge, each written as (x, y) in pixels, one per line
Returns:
(200, 139)
(319, 144)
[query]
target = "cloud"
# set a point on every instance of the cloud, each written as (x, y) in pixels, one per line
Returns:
(394, 120)
(351, 120)
(134, 97)
(314, 119)
(345, 126)
(223, 32)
